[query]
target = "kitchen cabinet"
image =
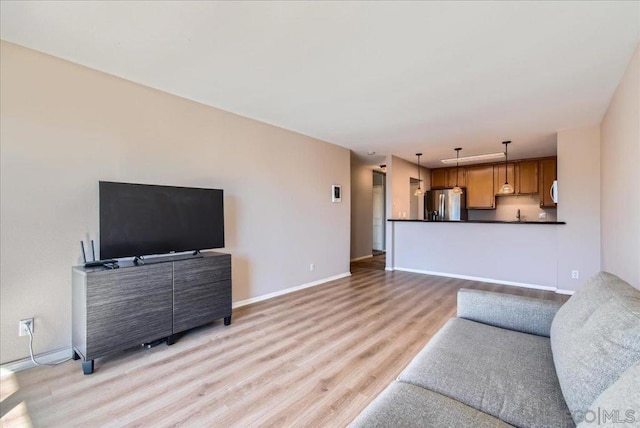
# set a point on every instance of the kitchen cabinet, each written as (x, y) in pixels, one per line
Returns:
(527, 177)
(548, 173)
(483, 182)
(439, 178)
(445, 178)
(480, 187)
(498, 177)
(451, 177)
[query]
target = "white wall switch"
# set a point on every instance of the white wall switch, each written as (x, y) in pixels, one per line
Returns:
(575, 274)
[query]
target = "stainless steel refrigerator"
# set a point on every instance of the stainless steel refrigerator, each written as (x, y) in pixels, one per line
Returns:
(444, 205)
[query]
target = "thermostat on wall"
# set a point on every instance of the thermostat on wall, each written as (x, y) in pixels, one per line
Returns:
(336, 193)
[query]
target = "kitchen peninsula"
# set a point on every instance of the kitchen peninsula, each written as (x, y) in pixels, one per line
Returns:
(522, 253)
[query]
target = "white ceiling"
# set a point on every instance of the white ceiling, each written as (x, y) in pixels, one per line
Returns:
(389, 77)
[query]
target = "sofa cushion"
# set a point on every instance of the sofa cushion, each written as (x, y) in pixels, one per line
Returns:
(507, 374)
(618, 404)
(406, 405)
(519, 313)
(595, 337)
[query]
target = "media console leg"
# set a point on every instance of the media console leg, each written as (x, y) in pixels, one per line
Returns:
(75, 356)
(171, 340)
(87, 367)
(227, 320)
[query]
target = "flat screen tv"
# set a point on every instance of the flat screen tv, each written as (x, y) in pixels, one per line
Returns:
(142, 219)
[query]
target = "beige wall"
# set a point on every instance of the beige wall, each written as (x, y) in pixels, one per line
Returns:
(403, 171)
(64, 127)
(578, 205)
(361, 208)
(399, 174)
(620, 163)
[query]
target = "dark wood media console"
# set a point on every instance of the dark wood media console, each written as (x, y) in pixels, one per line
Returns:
(116, 309)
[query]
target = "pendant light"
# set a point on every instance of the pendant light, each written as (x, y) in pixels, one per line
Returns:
(506, 187)
(457, 189)
(419, 192)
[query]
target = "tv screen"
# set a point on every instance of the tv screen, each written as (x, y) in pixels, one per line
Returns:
(142, 219)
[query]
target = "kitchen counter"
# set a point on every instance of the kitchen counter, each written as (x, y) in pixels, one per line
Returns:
(479, 221)
(500, 252)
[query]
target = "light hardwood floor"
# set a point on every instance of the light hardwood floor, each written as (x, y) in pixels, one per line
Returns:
(315, 358)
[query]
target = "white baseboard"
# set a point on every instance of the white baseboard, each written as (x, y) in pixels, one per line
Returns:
(477, 278)
(362, 258)
(567, 292)
(389, 269)
(46, 357)
(289, 290)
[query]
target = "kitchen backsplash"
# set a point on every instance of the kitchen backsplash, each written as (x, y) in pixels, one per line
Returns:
(507, 208)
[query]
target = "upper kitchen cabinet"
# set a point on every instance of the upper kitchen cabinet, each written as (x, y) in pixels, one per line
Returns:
(498, 177)
(445, 178)
(548, 174)
(462, 177)
(480, 187)
(439, 178)
(527, 177)
(483, 182)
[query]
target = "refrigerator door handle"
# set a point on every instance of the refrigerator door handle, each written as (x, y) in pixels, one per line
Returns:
(442, 214)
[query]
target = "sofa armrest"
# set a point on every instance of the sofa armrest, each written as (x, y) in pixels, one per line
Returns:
(518, 313)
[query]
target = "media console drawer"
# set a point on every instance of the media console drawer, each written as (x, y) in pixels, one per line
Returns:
(127, 309)
(201, 293)
(117, 309)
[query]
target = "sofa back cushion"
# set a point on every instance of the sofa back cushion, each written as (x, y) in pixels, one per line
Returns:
(619, 404)
(595, 337)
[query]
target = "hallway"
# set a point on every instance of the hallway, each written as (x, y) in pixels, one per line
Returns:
(377, 262)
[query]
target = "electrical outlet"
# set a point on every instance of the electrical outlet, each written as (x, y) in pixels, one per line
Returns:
(542, 215)
(25, 324)
(575, 274)
(312, 267)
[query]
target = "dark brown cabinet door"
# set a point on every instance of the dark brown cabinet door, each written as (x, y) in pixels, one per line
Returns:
(480, 188)
(127, 307)
(548, 173)
(202, 291)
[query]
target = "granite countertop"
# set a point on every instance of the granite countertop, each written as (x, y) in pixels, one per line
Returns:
(479, 221)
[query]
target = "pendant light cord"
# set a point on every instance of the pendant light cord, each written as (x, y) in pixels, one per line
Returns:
(506, 158)
(419, 181)
(457, 163)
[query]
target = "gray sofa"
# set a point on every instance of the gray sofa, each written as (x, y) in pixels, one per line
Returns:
(516, 361)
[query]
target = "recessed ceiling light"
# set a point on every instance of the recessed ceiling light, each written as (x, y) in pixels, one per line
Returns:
(488, 156)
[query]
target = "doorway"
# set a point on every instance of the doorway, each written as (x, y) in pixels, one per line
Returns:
(379, 217)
